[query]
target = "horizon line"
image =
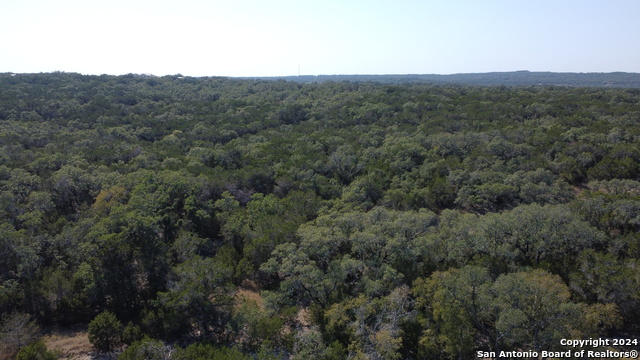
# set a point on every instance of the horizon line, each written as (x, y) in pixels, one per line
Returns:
(11, 73)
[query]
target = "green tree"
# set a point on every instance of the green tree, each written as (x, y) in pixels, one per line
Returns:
(199, 351)
(534, 235)
(456, 241)
(18, 330)
(454, 308)
(147, 349)
(37, 351)
(533, 310)
(197, 303)
(72, 187)
(602, 278)
(292, 114)
(373, 326)
(343, 164)
(255, 325)
(350, 253)
(310, 345)
(105, 332)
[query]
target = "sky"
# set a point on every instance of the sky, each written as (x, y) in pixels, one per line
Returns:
(291, 37)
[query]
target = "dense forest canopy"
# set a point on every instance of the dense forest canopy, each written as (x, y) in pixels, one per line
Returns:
(368, 221)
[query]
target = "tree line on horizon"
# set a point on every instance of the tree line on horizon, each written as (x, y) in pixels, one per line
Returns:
(513, 78)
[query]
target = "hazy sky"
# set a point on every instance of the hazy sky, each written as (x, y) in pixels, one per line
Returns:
(273, 38)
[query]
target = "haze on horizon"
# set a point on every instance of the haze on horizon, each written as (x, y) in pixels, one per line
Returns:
(276, 38)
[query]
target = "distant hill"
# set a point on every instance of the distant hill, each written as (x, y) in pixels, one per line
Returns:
(516, 78)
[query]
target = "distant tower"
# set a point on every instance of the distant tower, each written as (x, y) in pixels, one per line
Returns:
(298, 69)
